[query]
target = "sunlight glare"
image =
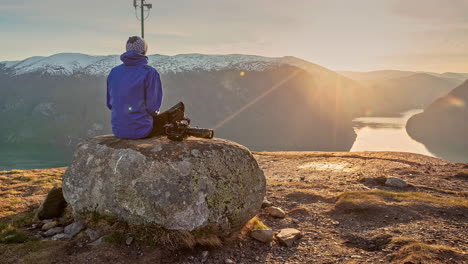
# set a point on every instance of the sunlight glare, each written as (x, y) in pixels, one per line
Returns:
(258, 98)
(455, 101)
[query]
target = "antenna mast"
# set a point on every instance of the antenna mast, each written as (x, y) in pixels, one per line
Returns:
(142, 6)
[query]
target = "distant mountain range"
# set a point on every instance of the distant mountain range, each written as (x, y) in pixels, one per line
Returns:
(264, 103)
(390, 92)
(77, 63)
(390, 74)
(287, 103)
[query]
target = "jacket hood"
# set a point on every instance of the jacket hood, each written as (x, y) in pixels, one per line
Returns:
(133, 58)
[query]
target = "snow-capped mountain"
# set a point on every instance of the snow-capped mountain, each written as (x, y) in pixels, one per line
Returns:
(280, 103)
(73, 63)
(292, 104)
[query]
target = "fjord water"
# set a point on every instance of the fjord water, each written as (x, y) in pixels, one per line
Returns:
(373, 134)
(16, 156)
(386, 134)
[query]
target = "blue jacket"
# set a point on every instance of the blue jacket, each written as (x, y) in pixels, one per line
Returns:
(134, 94)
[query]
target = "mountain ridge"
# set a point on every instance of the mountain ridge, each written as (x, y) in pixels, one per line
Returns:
(443, 125)
(71, 63)
(307, 99)
(391, 74)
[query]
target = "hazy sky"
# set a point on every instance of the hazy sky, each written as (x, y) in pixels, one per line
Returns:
(424, 35)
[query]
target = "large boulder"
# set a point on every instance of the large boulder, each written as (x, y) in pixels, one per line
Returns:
(202, 185)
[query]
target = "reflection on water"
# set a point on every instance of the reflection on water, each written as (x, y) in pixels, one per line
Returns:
(386, 134)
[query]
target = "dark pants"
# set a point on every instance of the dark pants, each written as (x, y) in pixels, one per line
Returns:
(175, 113)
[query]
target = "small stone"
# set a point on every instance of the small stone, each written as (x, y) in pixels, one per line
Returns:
(93, 235)
(229, 261)
(53, 231)
(276, 212)
(129, 241)
(195, 152)
(288, 236)
(74, 228)
(204, 254)
(263, 235)
(257, 258)
(34, 226)
(62, 237)
(395, 182)
(98, 242)
(266, 203)
(64, 221)
(49, 225)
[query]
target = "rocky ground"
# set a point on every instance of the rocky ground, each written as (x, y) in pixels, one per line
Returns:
(347, 207)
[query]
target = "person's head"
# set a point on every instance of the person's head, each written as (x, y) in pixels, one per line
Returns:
(138, 44)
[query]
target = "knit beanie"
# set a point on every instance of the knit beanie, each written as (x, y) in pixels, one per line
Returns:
(138, 44)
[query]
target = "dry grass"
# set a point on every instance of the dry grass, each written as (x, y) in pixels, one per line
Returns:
(379, 196)
(462, 174)
(402, 240)
(11, 228)
(418, 252)
(37, 252)
(119, 231)
(352, 155)
(21, 190)
(10, 235)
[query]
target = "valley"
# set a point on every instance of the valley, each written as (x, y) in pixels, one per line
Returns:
(263, 103)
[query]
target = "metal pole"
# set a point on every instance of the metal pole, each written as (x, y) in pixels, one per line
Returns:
(142, 19)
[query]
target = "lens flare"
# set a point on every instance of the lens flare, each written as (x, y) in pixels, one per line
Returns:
(455, 101)
(367, 112)
(242, 73)
(254, 101)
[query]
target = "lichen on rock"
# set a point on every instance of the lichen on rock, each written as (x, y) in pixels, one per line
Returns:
(198, 185)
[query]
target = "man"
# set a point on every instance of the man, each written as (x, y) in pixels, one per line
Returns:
(134, 95)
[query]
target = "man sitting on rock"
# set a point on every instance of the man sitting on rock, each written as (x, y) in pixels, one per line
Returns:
(134, 95)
